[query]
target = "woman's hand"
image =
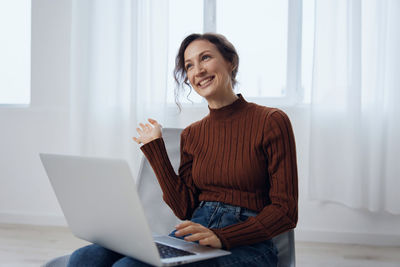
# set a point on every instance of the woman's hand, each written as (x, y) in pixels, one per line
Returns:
(199, 233)
(148, 133)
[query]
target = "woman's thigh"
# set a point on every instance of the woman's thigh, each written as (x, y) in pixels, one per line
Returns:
(261, 254)
(219, 215)
(98, 256)
(93, 255)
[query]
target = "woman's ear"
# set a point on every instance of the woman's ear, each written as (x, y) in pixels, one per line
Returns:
(233, 68)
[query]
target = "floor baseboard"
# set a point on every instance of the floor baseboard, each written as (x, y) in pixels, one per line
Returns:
(32, 219)
(372, 239)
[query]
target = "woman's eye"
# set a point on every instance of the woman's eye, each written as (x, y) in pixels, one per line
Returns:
(188, 66)
(205, 57)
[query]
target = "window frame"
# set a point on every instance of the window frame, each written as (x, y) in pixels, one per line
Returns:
(294, 94)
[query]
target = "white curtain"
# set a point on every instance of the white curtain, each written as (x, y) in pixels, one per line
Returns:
(118, 74)
(355, 124)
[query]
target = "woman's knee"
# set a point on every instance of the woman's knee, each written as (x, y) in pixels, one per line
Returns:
(93, 255)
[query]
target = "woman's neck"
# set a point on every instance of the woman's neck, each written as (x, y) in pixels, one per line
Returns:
(223, 100)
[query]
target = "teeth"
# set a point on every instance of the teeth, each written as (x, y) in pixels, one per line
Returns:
(205, 81)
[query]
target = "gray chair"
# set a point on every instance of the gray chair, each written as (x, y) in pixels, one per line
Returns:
(286, 250)
(155, 208)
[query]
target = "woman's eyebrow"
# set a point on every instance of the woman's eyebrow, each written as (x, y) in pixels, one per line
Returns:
(199, 55)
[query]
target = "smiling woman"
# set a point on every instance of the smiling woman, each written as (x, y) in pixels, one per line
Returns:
(207, 61)
(236, 186)
(239, 157)
(208, 71)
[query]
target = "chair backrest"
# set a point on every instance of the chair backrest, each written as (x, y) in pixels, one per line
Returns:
(161, 218)
(286, 249)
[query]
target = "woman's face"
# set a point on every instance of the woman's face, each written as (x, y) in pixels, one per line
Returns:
(207, 71)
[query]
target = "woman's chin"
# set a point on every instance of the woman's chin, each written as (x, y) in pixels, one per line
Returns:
(206, 92)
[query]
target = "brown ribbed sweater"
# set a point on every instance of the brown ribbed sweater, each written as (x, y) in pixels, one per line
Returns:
(242, 154)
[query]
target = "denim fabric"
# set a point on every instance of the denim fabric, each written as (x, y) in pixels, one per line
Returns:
(208, 214)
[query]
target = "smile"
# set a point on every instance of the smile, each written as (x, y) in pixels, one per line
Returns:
(206, 82)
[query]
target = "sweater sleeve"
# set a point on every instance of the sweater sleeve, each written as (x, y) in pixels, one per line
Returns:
(281, 214)
(179, 191)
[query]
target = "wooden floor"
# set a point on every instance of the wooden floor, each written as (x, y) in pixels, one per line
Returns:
(25, 245)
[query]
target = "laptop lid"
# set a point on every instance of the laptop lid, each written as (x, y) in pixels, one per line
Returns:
(99, 200)
(101, 204)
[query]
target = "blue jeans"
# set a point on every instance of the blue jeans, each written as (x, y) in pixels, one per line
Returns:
(208, 214)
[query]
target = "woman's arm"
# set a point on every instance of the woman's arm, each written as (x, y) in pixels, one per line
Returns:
(281, 214)
(179, 191)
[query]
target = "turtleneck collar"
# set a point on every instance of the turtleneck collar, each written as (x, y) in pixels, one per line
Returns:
(229, 111)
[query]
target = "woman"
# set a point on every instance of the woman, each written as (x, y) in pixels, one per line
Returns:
(237, 182)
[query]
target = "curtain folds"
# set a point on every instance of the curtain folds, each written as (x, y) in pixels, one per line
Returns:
(355, 125)
(119, 56)
(118, 74)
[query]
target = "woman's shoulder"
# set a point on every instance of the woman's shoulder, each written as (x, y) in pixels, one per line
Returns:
(270, 116)
(268, 112)
(194, 126)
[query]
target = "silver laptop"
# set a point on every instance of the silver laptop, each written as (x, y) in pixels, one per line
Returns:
(100, 202)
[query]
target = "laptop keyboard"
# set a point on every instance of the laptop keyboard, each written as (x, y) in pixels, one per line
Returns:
(170, 252)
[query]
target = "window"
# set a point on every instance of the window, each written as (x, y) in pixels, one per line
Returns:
(15, 49)
(275, 52)
(258, 29)
(185, 17)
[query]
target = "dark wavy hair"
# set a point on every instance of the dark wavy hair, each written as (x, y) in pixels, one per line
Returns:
(226, 49)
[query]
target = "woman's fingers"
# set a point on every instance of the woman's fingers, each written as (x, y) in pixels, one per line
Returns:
(148, 132)
(152, 121)
(183, 227)
(183, 224)
(146, 126)
(187, 228)
(197, 232)
(186, 231)
(197, 237)
(143, 126)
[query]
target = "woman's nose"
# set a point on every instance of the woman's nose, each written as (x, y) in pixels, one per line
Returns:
(199, 69)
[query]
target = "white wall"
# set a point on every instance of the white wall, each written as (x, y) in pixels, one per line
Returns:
(331, 222)
(26, 195)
